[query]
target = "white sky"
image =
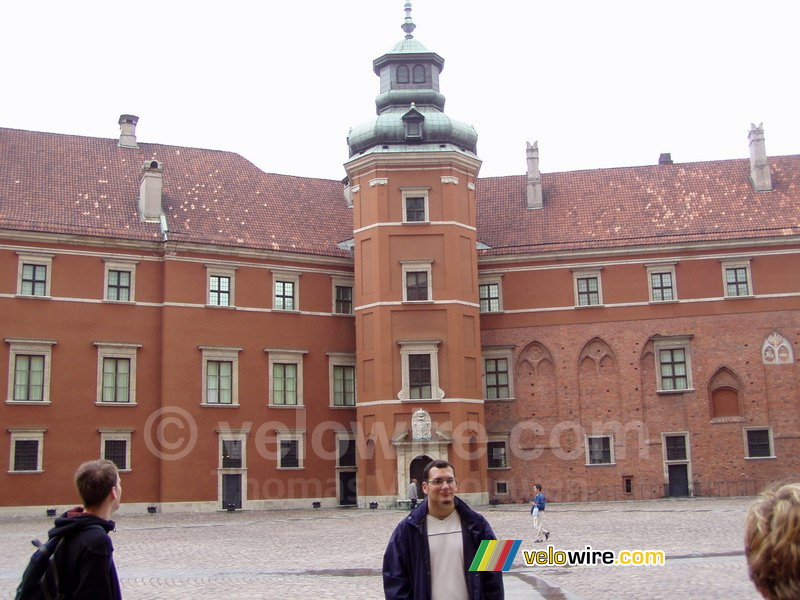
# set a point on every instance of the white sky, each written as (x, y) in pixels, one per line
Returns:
(597, 83)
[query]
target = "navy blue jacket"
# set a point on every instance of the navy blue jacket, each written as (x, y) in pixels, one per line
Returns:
(407, 563)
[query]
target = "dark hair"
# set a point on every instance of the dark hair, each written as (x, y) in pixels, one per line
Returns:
(95, 479)
(437, 464)
(538, 486)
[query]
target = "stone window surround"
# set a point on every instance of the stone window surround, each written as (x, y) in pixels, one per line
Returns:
(490, 280)
(417, 266)
(340, 359)
(498, 437)
(287, 435)
(32, 347)
(747, 444)
(117, 435)
(586, 273)
(408, 347)
(287, 356)
(341, 281)
(736, 263)
(612, 458)
(416, 192)
(494, 353)
(674, 343)
(20, 435)
(661, 267)
(288, 277)
(32, 257)
(120, 264)
(213, 270)
(222, 354)
(231, 435)
(116, 350)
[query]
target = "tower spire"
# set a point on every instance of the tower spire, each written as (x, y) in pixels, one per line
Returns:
(408, 25)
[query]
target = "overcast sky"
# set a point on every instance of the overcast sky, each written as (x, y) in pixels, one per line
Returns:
(597, 83)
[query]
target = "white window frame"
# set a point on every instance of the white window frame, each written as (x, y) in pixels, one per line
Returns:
(299, 437)
(116, 350)
(673, 343)
(341, 359)
(222, 354)
(661, 269)
(494, 438)
(33, 347)
(612, 458)
(221, 271)
(35, 258)
(284, 356)
(290, 277)
(114, 435)
(417, 266)
(747, 443)
(23, 435)
(339, 281)
(494, 354)
(416, 192)
(430, 347)
(230, 435)
(493, 280)
(342, 436)
(595, 272)
(119, 264)
(741, 263)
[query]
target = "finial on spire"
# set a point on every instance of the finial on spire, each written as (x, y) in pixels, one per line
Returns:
(408, 25)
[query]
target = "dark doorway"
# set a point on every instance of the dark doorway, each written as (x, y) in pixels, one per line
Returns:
(678, 480)
(231, 491)
(347, 488)
(415, 472)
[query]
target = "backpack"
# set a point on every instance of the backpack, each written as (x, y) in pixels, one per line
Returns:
(40, 578)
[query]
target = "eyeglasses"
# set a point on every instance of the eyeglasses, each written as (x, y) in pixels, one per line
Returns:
(440, 482)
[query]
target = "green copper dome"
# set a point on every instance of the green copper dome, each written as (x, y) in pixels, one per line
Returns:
(410, 106)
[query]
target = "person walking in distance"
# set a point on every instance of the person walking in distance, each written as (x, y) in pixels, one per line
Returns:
(430, 552)
(413, 495)
(537, 509)
(85, 563)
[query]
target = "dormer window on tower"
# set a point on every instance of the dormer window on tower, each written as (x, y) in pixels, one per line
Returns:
(412, 122)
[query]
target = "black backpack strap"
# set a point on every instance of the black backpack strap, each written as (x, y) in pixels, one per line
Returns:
(50, 580)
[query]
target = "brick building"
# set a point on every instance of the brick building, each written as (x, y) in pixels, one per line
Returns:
(236, 338)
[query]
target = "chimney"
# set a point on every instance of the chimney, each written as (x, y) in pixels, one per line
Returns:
(150, 190)
(127, 131)
(665, 158)
(759, 167)
(534, 177)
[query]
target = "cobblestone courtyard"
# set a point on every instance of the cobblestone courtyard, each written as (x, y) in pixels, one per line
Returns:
(337, 553)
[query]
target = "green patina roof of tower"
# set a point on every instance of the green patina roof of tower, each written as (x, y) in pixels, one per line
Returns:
(409, 46)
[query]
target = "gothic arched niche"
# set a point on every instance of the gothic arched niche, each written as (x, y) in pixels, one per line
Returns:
(776, 350)
(724, 393)
(535, 380)
(598, 354)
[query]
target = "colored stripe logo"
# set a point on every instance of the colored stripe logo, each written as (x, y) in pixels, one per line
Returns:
(495, 555)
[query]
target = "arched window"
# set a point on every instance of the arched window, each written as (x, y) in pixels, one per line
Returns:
(419, 74)
(402, 74)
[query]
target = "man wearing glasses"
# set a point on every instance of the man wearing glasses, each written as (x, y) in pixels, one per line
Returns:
(430, 551)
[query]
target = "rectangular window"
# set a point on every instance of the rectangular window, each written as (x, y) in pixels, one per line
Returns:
(290, 454)
(759, 443)
(676, 447)
(29, 378)
(344, 385)
(284, 384)
(415, 209)
(416, 286)
(736, 283)
(489, 297)
(501, 487)
(419, 376)
(347, 452)
(34, 280)
(496, 378)
(599, 450)
(673, 369)
(117, 452)
(231, 454)
(284, 295)
(219, 382)
(219, 290)
(497, 455)
(588, 291)
(26, 455)
(119, 286)
(344, 300)
(116, 379)
(661, 287)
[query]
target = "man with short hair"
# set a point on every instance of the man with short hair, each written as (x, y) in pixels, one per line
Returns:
(430, 552)
(413, 496)
(85, 561)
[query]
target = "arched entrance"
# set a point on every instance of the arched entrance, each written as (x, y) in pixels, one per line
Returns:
(415, 472)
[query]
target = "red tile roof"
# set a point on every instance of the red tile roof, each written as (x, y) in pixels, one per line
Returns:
(89, 186)
(632, 206)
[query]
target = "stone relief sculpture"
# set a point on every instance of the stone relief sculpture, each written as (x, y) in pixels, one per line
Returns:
(421, 426)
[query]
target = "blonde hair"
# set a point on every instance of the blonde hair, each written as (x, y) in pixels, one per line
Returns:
(772, 542)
